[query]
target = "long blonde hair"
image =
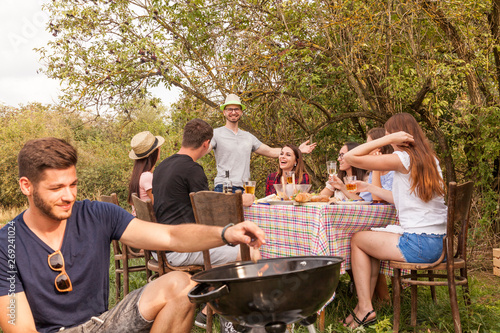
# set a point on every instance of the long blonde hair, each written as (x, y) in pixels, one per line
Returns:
(425, 179)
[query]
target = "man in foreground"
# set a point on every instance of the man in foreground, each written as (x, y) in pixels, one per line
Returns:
(54, 257)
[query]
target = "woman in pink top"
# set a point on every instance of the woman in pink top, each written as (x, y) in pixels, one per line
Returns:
(146, 152)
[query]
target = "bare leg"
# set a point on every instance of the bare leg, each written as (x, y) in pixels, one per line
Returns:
(381, 289)
(165, 300)
(367, 248)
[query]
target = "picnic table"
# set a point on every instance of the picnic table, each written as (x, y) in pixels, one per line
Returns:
(304, 230)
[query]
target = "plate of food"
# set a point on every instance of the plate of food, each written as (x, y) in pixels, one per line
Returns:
(273, 199)
(353, 202)
(280, 202)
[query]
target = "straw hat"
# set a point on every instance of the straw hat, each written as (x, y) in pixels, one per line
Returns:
(232, 99)
(143, 144)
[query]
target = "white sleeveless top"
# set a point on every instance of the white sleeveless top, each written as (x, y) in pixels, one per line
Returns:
(415, 215)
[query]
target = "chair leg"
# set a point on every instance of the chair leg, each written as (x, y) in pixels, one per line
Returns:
(147, 255)
(117, 284)
(396, 302)
(414, 300)
(118, 281)
(210, 319)
(125, 270)
(321, 322)
(433, 288)
(452, 290)
(465, 287)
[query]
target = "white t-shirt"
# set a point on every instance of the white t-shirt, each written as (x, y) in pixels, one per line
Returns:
(415, 215)
(232, 152)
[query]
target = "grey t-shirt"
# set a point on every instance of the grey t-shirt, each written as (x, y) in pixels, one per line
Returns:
(232, 152)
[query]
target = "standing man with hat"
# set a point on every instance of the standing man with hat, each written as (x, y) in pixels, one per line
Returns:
(233, 146)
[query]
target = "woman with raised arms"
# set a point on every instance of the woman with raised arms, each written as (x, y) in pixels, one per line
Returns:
(418, 195)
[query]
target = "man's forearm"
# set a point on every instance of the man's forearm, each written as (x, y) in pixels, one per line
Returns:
(189, 237)
(265, 150)
(194, 237)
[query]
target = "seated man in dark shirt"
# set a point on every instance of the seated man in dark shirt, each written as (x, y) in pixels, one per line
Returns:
(173, 180)
(54, 257)
(177, 176)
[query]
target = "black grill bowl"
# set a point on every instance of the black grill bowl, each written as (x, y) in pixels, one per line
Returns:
(271, 291)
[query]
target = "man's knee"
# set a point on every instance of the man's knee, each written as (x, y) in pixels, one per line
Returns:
(176, 283)
(169, 289)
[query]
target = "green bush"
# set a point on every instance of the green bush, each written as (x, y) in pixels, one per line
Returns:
(102, 144)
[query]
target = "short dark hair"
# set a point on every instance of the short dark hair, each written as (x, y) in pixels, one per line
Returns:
(196, 132)
(46, 153)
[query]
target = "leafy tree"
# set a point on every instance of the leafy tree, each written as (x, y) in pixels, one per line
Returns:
(328, 69)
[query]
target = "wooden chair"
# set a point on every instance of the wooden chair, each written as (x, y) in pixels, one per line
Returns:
(459, 201)
(219, 209)
(122, 254)
(144, 210)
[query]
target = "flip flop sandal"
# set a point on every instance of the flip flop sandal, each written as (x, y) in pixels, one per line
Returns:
(364, 321)
(344, 322)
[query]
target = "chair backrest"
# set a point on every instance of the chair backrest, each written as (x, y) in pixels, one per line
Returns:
(144, 209)
(113, 198)
(459, 202)
(219, 209)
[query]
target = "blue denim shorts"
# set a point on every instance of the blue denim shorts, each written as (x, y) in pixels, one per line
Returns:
(421, 248)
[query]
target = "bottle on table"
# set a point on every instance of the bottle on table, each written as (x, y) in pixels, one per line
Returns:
(227, 186)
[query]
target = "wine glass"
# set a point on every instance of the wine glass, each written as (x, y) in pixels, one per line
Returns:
(331, 168)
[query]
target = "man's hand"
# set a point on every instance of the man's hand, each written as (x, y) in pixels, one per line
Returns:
(246, 233)
(248, 199)
(305, 148)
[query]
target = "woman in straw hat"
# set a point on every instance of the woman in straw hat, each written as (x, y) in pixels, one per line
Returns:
(146, 152)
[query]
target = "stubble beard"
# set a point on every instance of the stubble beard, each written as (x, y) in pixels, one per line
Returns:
(233, 121)
(46, 209)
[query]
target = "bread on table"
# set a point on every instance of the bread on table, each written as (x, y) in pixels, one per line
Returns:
(303, 197)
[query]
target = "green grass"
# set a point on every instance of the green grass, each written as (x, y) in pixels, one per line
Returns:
(482, 316)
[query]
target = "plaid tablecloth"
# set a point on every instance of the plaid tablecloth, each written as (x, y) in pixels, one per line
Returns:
(317, 230)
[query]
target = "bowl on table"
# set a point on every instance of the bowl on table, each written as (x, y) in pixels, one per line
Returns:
(290, 190)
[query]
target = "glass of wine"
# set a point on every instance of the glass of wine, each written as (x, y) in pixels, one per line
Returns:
(331, 168)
